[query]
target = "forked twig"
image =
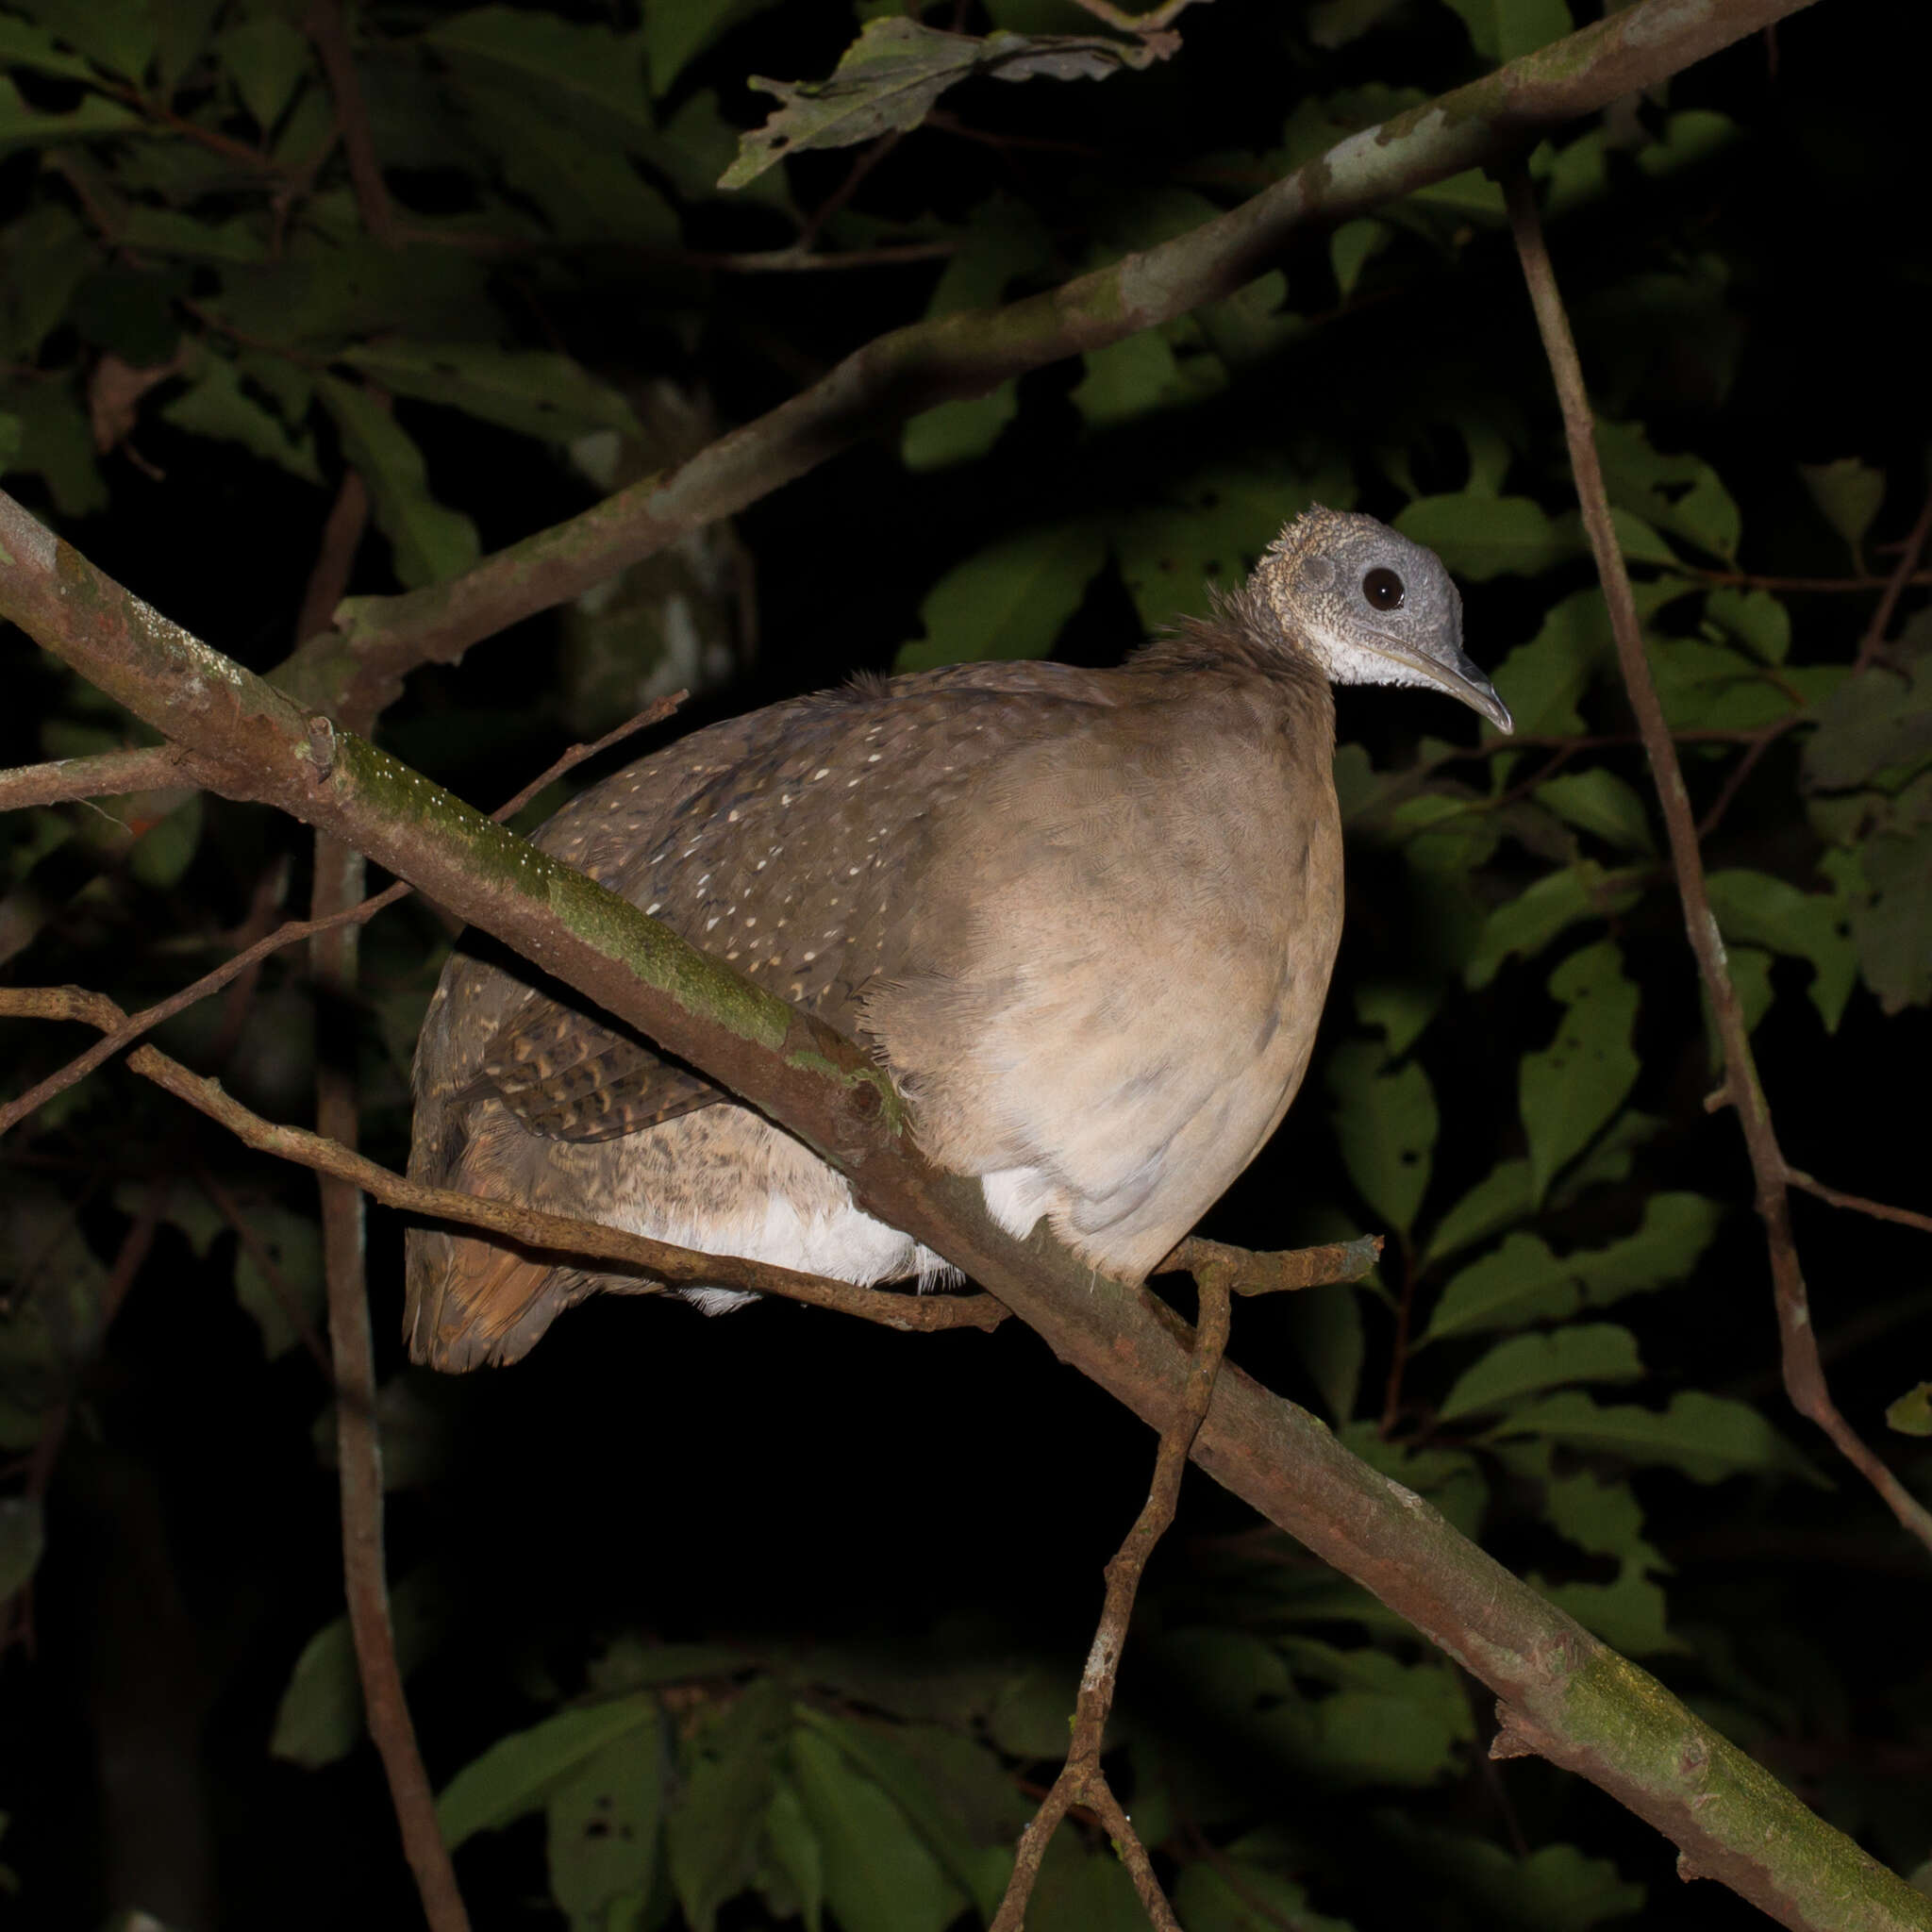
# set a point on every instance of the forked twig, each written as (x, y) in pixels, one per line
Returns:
(1804, 1372)
(1082, 1780)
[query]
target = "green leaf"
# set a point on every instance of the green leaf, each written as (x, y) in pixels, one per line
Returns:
(1400, 1010)
(1709, 687)
(1680, 495)
(1501, 1197)
(93, 119)
(520, 1773)
(1230, 1895)
(1754, 619)
(1081, 1891)
(22, 1537)
(1676, 1230)
(22, 44)
(1707, 1436)
(585, 187)
(1010, 600)
(727, 1768)
(1546, 908)
(1505, 30)
(890, 76)
(1891, 926)
(1754, 908)
(873, 1750)
(603, 1826)
(1324, 1329)
(1542, 680)
(676, 32)
(1572, 1086)
(164, 231)
(1482, 537)
(1630, 1614)
(879, 1877)
(216, 405)
(1873, 723)
(587, 74)
(293, 1247)
(266, 56)
(1599, 802)
(1521, 1281)
(788, 1833)
(1385, 1125)
(320, 1719)
(1452, 1479)
(430, 541)
(1129, 378)
(1848, 496)
(531, 390)
(1209, 530)
(1351, 247)
(1590, 1352)
(118, 35)
(1554, 1888)
(1911, 1415)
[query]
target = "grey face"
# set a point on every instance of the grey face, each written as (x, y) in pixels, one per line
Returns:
(1373, 607)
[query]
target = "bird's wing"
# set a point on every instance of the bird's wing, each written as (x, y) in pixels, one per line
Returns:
(781, 843)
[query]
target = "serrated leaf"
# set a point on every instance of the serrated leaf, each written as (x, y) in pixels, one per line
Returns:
(1572, 1086)
(531, 390)
(602, 1826)
(1385, 1126)
(1010, 600)
(1138, 375)
(1681, 494)
(879, 1877)
(1676, 1230)
(1910, 1415)
(1556, 902)
(1351, 247)
(1893, 925)
(1505, 30)
(1588, 1352)
(1848, 496)
(1766, 911)
(1629, 1614)
(1707, 1436)
(1521, 1281)
(216, 405)
(1554, 1888)
(727, 1768)
(1482, 537)
(519, 1774)
(266, 56)
(1599, 802)
(957, 432)
(1709, 687)
(890, 76)
(430, 541)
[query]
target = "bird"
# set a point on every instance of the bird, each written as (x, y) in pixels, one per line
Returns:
(1085, 918)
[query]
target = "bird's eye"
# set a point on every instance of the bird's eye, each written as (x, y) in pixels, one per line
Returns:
(1383, 589)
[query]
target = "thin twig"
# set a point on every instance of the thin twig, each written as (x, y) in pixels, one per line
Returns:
(1905, 1217)
(329, 31)
(1873, 642)
(359, 1445)
(1280, 1272)
(1802, 1370)
(329, 580)
(1146, 24)
(127, 1029)
(1082, 1780)
(104, 774)
(257, 1250)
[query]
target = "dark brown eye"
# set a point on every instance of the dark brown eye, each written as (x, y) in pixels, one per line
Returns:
(1384, 590)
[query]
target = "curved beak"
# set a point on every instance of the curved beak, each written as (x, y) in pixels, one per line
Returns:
(1464, 680)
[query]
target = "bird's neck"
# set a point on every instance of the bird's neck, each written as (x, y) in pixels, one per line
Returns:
(1242, 646)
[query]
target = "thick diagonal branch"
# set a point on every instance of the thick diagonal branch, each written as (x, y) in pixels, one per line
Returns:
(1606, 1719)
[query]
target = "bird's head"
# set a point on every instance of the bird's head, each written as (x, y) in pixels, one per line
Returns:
(1372, 608)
